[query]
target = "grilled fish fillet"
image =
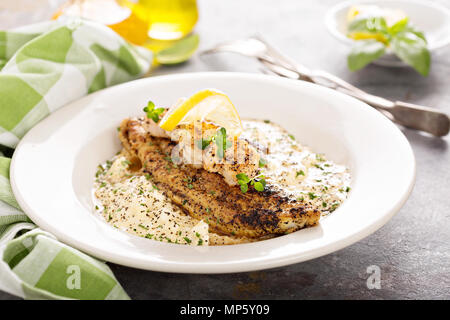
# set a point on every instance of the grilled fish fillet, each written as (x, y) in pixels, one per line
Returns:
(205, 195)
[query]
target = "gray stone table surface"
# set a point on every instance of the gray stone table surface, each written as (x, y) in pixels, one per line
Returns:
(412, 250)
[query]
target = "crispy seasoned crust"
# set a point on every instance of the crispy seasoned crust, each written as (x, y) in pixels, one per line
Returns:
(205, 195)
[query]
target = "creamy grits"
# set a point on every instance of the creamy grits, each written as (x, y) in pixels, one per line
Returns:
(295, 170)
(130, 202)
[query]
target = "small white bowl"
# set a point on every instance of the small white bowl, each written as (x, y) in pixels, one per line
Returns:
(431, 18)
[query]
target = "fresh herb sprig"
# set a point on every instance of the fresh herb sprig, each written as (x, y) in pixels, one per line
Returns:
(220, 139)
(258, 182)
(409, 44)
(152, 112)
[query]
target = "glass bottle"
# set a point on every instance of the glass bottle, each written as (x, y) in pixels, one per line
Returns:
(168, 19)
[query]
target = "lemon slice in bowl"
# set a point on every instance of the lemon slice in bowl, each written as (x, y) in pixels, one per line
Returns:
(208, 105)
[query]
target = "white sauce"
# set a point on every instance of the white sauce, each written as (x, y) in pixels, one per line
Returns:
(294, 170)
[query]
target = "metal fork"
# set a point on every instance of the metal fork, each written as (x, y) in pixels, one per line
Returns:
(406, 114)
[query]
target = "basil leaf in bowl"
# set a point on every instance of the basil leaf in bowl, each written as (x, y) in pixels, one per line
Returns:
(412, 49)
(364, 52)
(374, 37)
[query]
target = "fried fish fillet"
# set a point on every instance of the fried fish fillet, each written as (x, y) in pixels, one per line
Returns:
(205, 195)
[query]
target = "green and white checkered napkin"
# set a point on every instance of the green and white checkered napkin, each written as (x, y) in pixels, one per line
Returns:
(43, 67)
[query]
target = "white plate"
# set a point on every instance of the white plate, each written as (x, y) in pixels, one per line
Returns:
(431, 18)
(53, 168)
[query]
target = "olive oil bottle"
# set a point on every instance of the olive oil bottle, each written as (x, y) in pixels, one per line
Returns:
(168, 19)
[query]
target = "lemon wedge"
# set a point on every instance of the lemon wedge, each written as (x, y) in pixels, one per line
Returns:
(208, 105)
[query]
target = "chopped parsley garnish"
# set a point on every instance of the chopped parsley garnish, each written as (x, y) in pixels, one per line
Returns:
(208, 210)
(152, 112)
(259, 182)
(266, 121)
(291, 136)
(187, 240)
(324, 204)
(200, 242)
(334, 206)
(262, 162)
(189, 182)
(149, 236)
(143, 227)
(300, 173)
(311, 195)
(99, 171)
(212, 192)
(184, 202)
(347, 189)
(320, 158)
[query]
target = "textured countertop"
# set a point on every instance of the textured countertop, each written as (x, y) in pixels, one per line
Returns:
(412, 250)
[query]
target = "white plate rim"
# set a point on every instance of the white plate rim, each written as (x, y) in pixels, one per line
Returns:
(232, 267)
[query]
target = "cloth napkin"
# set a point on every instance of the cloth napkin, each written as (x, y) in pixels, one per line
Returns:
(43, 67)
